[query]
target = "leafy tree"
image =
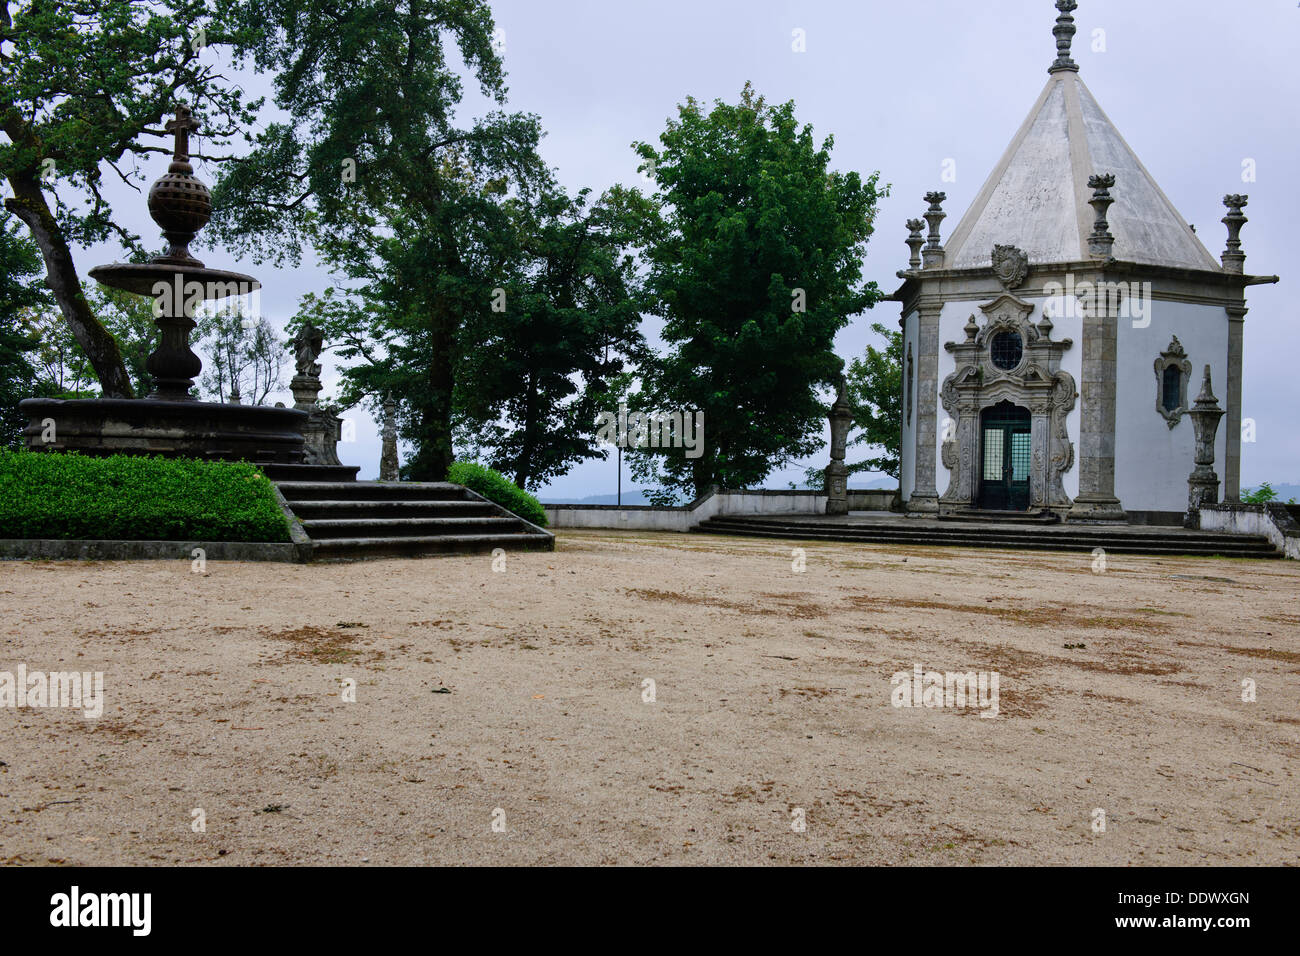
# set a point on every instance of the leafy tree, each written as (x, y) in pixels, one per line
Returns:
(374, 171)
(875, 390)
(537, 371)
(81, 81)
(245, 358)
(19, 293)
(1261, 495)
(874, 387)
(62, 369)
(39, 355)
(755, 263)
(129, 319)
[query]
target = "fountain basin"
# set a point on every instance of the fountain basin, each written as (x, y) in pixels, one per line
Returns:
(173, 429)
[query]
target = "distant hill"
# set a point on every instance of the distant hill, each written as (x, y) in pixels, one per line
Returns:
(886, 483)
(631, 496)
(636, 496)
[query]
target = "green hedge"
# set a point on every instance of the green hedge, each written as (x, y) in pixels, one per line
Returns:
(495, 486)
(58, 495)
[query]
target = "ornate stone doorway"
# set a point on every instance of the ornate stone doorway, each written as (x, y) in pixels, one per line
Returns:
(1005, 441)
(1005, 450)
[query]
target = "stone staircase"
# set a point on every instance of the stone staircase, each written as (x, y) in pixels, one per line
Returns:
(1002, 517)
(1057, 537)
(371, 519)
(279, 472)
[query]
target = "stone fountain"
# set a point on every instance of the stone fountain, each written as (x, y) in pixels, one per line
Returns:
(170, 421)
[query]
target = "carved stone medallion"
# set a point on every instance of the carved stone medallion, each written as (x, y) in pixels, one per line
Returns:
(1010, 265)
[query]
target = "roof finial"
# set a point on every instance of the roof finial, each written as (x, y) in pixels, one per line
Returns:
(932, 254)
(914, 242)
(1101, 242)
(1064, 32)
(1233, 259)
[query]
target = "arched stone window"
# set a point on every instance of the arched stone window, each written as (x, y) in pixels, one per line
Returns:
(1173, 371)
(1173, 388)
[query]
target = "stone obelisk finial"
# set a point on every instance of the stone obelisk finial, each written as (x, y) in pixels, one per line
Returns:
(932, 254)
(837, 473)
(1203, 483)
(1064, 32)
(914, 242)
(1233, 259)
(1101, 241)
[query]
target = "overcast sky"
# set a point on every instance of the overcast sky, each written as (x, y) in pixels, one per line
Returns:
(1196, 87)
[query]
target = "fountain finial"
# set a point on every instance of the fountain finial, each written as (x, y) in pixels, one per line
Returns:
(1064, 32)
(178, 201)
(181, 126)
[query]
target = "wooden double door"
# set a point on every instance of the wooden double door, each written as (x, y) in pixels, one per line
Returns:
(1005, 455)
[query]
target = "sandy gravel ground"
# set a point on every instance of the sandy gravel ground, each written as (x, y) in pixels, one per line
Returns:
(1119, 691)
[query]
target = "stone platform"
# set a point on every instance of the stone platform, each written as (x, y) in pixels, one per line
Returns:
(888, 528)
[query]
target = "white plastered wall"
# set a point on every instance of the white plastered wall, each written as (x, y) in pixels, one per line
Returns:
(1152, 461)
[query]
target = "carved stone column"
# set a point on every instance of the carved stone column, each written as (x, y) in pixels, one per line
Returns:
(958, 451)
(1232, 466)
(1203, 483)
(1039, 430)
(837, 473)
(925, 496)
(1096, 500)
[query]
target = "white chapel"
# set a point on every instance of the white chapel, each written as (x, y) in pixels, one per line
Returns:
(1055, 346)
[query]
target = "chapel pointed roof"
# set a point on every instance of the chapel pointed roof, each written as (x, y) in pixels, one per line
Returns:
(1037, 196)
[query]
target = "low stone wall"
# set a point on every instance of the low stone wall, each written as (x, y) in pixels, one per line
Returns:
(631, 517)
(1273, 521)
(684, 517)
(875, 499)
(57, 549)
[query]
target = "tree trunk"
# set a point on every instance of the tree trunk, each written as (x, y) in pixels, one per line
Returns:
(438, 452)
(28, 204)
(523, 467)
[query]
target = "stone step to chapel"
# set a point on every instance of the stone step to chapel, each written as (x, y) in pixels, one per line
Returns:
(1002, 517)
(1149, 542)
